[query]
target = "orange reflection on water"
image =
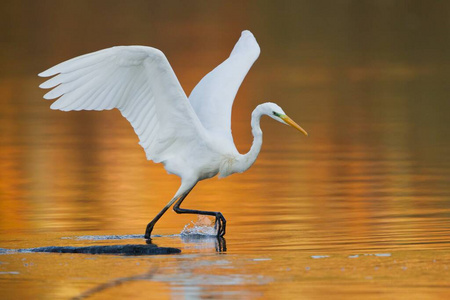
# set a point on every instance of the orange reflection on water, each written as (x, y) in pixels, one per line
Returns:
(371, 178)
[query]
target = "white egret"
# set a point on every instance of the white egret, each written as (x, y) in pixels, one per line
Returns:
(191, 137)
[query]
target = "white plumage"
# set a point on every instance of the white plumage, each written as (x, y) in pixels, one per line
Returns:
(191, 137)
(136, 80)
(212, 98)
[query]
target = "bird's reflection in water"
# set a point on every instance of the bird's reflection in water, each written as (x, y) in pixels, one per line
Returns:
(129, 249)
(205, 242)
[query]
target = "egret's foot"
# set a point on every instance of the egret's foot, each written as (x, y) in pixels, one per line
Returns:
(220, 224)
(149, 230)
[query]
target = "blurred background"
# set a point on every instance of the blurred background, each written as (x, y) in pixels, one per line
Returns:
(367, 79)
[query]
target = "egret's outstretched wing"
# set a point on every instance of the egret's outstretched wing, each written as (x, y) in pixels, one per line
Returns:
(137, 80)
(212, 98)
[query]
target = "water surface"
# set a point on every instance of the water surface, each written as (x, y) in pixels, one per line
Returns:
(360, 208)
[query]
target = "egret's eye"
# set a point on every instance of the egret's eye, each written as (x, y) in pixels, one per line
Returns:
(276, 114)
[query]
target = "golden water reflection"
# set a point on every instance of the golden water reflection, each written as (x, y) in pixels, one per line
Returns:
(372, 177)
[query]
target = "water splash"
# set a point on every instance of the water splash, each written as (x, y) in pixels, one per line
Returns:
(203, 227)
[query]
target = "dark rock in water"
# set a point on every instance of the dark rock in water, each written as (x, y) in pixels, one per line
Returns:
(112, 249)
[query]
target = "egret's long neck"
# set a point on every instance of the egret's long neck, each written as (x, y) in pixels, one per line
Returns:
(247, 160)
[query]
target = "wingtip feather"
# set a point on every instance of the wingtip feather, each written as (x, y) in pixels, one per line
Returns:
(47, 85)
(54, 106)
(246, 44)
(58, 105)
(246, 32)
(48, 73)
(51, 95)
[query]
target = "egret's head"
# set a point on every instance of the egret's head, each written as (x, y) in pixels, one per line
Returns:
(276, 112)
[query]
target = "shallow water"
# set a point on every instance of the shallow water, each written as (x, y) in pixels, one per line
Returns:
(360, 208)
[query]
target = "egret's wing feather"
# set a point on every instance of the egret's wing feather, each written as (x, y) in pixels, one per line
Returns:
(138, 81)
(212, 98)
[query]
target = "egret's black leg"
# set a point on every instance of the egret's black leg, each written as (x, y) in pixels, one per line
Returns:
(220, 224)
(149, 229)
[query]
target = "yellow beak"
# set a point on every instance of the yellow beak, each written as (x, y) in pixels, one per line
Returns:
(293, 124)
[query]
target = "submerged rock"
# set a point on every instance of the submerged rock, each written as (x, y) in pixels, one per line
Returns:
(149, 249)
